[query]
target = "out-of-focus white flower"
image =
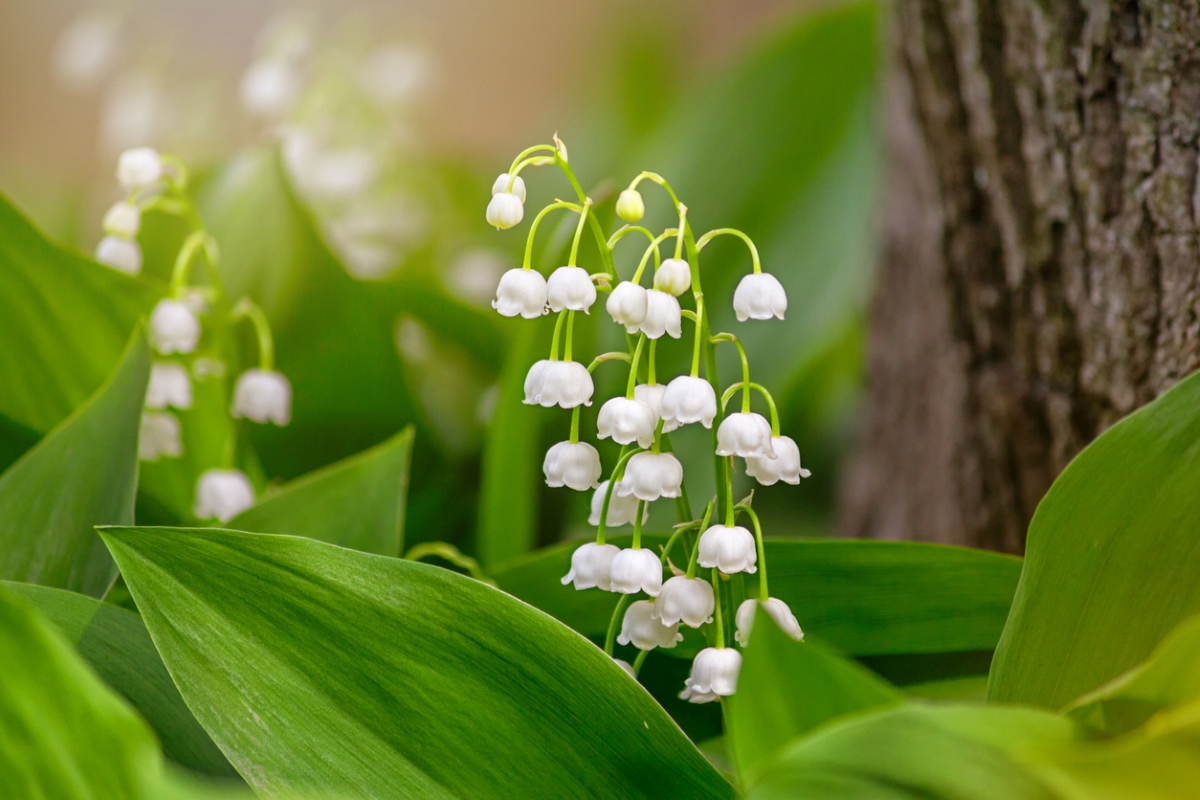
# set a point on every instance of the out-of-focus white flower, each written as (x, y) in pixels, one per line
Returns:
(123, 219)
(558, 383)
(687, 400)
(714, 674)
(649, 476)
(86, 50)
(745, 434)
(626, 421)
(570, 288)
(327, 174)
(521, 291)
(662, 316)
(205, 368)
(636, 571)
(630, 205)
(627, 305)
(573, 464)
(779, 612)
(652, 395)
(269, 87)
(170, 385)
(685, 599)
(223, 494)
(500, 186)
(504, 211)
(473, 275)
(139, 167)
(729, 548)
(625, 665)
(123, 255)
(642, 628)
(159, 436)
(785, 466)
(591, 566)
(133, 114)
(394, 73)
(263, 395)
(759, 296)
(621, 510)
(173, 328)
(367, 261)
(673, 276)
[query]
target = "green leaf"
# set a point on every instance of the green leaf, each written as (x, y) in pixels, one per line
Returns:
(114, 642)
(84, 473)
(66, 322)
(387, 678)
(63, 734)
(356, 503)
(862, 597)
(1110, 565)
(787, 688)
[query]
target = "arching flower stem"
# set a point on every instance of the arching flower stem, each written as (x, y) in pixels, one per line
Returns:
(652, 249)
(611, 638)
(758, 387)
(699, 337)
(583, 215)
(708, 510)
(637, 662)
(528, 264)
(246, 309)
(637, 525)
(708, 237)
(618, 472)
(557, 333)
(197, 243)
(745, 384)
(650, 363)
(762, 553)
(654, 177)
(631, 384)
(718, 617)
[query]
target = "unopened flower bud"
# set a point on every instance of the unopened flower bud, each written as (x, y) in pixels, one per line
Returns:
(626, 421)
(121, 254)
(779, 612)
(759, 296)
(745, 434)
(689, 399)
(173, 328)
(139, 168)
(521, 291)
(785, 466)
(621, 510)
(627, 305)
(159, 436)
(649, 476)
(558, 383)
(714, 674)
(642, 628)
(223, 494)
(591, 566)
(729, 548)
(123, 219)
(636, 571)
(170, 385)
(505, 210)
(570, 288)
(263, 396)
(685, 599)
(500, 185)
(673, 276)
(630, 205)
(663, 315)
(572, 464)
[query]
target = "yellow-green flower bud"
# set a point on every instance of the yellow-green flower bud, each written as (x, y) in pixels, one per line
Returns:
(630, 206)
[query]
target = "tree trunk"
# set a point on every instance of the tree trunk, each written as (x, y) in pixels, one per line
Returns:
(1039, 271)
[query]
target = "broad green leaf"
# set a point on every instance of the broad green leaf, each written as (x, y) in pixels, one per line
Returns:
(862, 597)
(386, 678)
(114, 642)
(15, 441)
(972, 687)
(787, 688)
(63, 734)
(84, 473)
(356, 503)
(1111, 561)
(66, 322)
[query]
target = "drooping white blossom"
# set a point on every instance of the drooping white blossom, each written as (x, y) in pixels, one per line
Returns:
(263, 396)
(649, 476)
(729, 548)
(123, 219)
(521, 291)
(139, 168)
(573, 464)
(500, 186)
(170, 385)
(630, 205)
(533, 381)
(505, 210)
(687, 400)
(173, 328)
(714, 674)
(642, 628)
(123, 255)
(759, 296)
(745, 434)
(558, 383)
(636, 571)
(779, 612)
(785, 466)
(627, 305)
(625, 665)
(591, 566)
(223, 494)
(621, 510)
(159, 436)
(663, 316)
(687, 600)
(652, 395)
(626, 421)
(570, 288)
(673, 276)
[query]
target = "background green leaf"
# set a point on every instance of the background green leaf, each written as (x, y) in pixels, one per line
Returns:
(388, 678)
(84, 473)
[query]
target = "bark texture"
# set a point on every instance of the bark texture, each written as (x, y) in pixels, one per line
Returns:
(1040, 275)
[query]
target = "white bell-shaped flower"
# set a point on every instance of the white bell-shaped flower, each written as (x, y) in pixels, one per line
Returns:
(642, 628)
(558, 383)
(714, 674)
(652, 395)
(123, 255)
(573, 464)
(625, 665)
(729, 548)
(663, 315)
(263, 395)
(759, 296)
(630, 205)
(626, 421)
(621, 510)
(649, 476)
(627, 305)
(779, 612)
(673, 276)
(570, 288)
(173, 328)
(521, 291)
(745, 434)
(687, 400)
(785, 466)
(139, 168)
(159, 436)
(591, 565)
(124, 220)
(223, 493)
(170, 385)
(685, 599)
(505, 210)
(500, 186)
(636, 571)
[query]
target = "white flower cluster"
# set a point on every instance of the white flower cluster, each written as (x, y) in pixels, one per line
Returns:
(140, 172)
(639, 419)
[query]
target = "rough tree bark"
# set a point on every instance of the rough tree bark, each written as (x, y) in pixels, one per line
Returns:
(1040, 277)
